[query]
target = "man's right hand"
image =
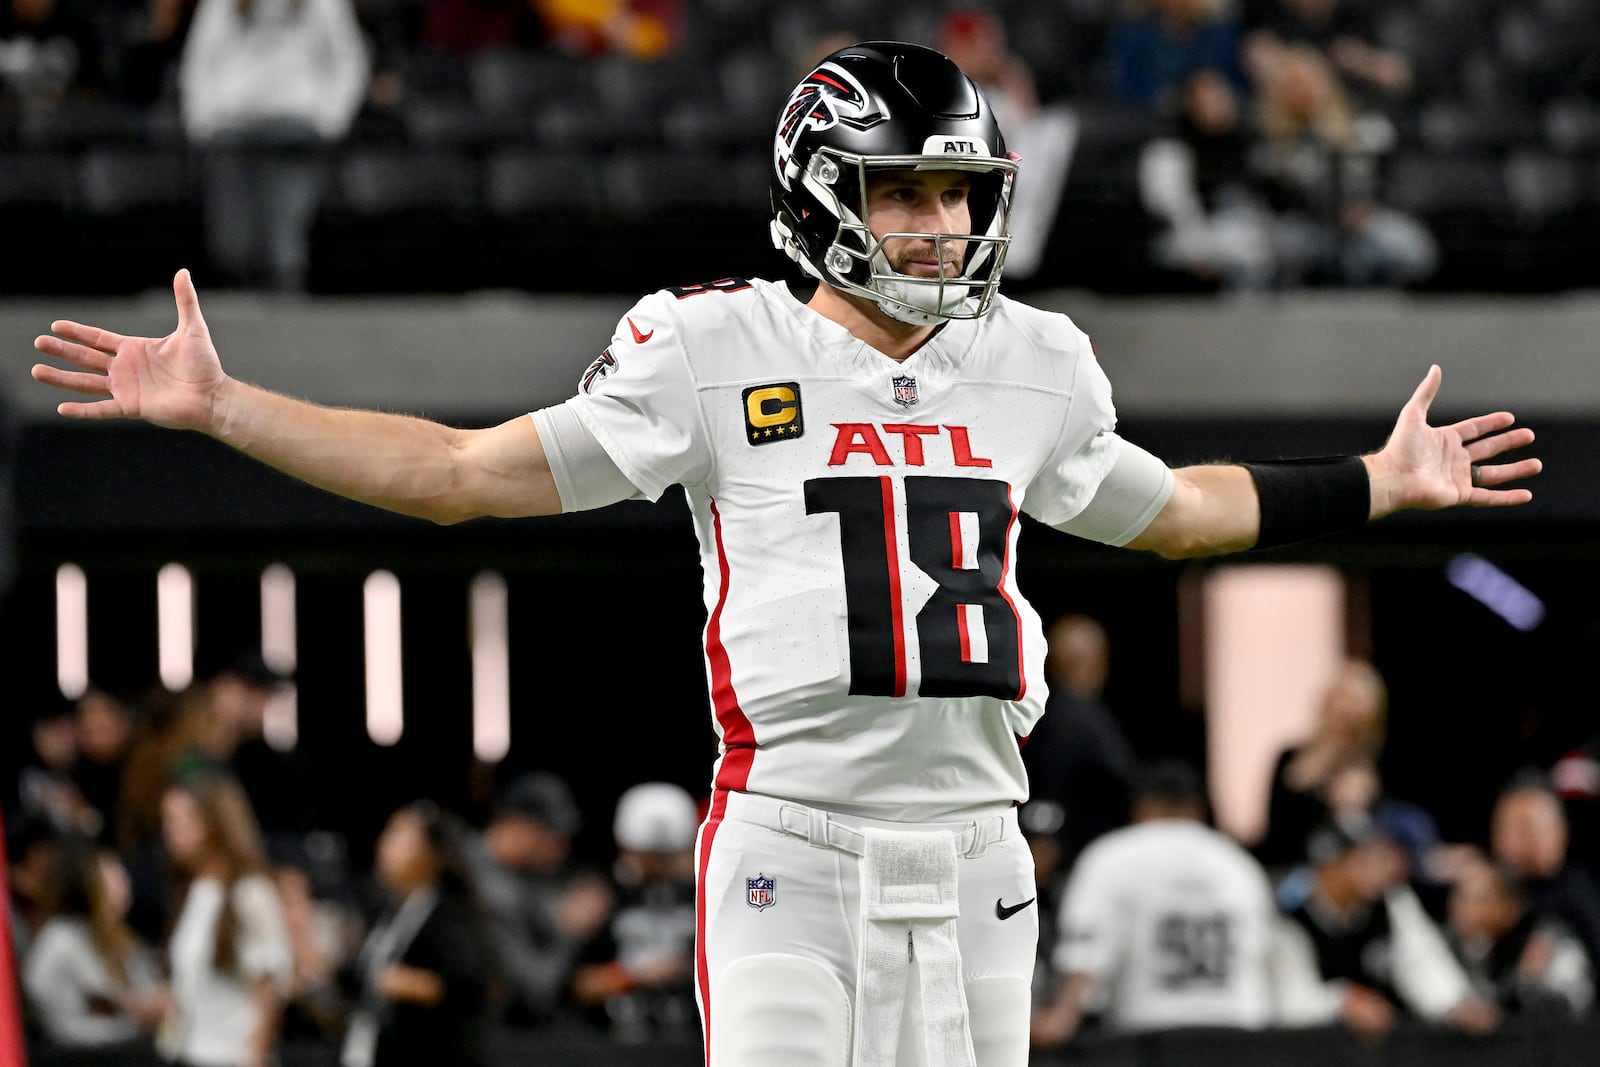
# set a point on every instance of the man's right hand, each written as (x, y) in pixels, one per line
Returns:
(175, 381)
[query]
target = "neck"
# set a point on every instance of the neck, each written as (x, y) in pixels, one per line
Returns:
(868, 323)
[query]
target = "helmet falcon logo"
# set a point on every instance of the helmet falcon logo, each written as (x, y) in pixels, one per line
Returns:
(828, 96)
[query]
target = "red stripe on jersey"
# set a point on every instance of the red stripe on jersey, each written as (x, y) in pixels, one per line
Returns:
(1005, 572)
(708, 831)
(896, 621)
(956, 554)
(738, 738)
(961, 632)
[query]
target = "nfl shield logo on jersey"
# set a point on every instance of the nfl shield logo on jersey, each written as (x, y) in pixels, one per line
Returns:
(760, 892)
(905, 390)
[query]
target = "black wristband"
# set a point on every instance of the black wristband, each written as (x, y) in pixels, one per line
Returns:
(1306, 498)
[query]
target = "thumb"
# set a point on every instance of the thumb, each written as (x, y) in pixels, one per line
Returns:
(189, 316)
(1426, 390)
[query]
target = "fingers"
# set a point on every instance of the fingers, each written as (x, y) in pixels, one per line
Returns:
(76, 354)
(76, 381)
(1489, 447)
(92, 336)
(1486, 476)
(1474, 428)
(100, 409)
(188, 299)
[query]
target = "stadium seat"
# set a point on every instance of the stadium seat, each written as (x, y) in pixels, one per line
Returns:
(1457, 126)
(1543, 186)
(115, 180)
(638, 183)
(521, 181)
(1429, 184)
(391, 181)
(80, 125)
(1572, 126)
(32, 179)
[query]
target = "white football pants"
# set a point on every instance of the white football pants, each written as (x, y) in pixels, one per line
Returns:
(782, 960)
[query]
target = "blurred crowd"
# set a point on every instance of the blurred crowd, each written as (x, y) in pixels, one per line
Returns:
(172, 899)
(1266, 134)
(1351, 910)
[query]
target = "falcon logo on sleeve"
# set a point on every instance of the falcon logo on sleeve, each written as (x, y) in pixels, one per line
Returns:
(602, 366)
(772, 413)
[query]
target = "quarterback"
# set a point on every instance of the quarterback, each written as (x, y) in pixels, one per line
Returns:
(856, 463)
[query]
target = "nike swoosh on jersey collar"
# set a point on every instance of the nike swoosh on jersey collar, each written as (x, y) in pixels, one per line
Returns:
(640, 338)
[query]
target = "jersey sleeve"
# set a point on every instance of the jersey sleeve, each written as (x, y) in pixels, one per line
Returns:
(1089, 931)
(639, 401)
(1095, 484)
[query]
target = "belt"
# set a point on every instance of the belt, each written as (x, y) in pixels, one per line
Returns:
(826, 829)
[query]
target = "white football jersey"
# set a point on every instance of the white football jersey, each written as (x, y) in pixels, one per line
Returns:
(868, 651)
(1177, 925)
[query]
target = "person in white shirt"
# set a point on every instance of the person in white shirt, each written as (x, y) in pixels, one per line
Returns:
(266, 88)
(88, 979)
(229, 950)
(1364, 946)
(1167, 923)
(857, 460)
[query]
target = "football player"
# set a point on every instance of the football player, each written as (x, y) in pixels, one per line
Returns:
(856, 463)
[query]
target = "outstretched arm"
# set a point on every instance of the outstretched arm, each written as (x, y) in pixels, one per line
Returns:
(1216, 508)
(395, 462)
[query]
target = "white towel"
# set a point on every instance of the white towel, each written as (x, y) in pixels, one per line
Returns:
(909, 905)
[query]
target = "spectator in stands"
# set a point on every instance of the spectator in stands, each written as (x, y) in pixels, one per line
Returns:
(1044, 136)
(237, 694)
(464, 28)
(1156, 47)
(636, 977)
(635, 29)
(90, 981)
(425, 970)
(267, 88)
(45, 787)
(324, 934)
(50, 51)
(1526, 964)
(1040, 822)
(103, 728)
(169, 744)
(31, 842)
(543, 909)
(1167, 923)
(1197, 181)
(1364, 933)
(229, 950)
(1575, 777)
(1320, 166)
(152, 47)
(1078, 754)
(1528, 833)
(1342, 30)
(1350, 729)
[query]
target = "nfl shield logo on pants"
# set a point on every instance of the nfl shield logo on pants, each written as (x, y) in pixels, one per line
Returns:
(905, 390)
(760, 892)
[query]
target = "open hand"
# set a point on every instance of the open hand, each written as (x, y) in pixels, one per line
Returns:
(174, 381)
(1433, 467)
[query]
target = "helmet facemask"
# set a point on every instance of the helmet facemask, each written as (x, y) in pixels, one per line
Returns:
(856, 260)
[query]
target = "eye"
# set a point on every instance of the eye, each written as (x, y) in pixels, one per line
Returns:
(955, 197)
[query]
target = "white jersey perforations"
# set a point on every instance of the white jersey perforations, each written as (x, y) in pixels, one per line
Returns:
(867, 648)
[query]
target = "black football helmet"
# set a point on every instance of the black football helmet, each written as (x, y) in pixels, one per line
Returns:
(889, 106)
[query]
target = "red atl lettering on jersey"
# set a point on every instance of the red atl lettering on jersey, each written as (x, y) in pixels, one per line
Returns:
(863, 438)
